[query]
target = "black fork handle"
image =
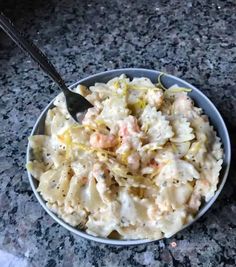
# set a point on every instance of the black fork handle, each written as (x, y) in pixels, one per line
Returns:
(35, 53)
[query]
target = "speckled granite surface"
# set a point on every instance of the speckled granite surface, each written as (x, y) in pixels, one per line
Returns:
(194, 40)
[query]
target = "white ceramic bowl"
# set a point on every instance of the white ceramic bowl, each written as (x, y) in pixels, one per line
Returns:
(199, 98)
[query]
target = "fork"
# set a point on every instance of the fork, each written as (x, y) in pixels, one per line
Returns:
(75, 103)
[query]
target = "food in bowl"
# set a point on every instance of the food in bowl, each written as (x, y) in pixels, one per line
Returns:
(139, 165)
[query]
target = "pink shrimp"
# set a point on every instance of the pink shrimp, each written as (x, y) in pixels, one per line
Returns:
(129, 126)
(102, 141)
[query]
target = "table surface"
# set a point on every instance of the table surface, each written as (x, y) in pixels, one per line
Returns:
(194, 40)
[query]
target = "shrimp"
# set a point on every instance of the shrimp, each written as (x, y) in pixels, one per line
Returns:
(103, 141)
(130, 134)
(129, 126)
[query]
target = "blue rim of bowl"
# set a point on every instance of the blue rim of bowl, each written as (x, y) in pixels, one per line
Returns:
(133, 241)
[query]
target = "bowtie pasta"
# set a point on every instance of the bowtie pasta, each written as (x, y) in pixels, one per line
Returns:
(139, 165)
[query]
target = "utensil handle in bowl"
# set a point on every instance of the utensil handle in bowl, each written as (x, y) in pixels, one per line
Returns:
(35, 53)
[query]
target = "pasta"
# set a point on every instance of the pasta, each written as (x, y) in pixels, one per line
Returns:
(138, 166)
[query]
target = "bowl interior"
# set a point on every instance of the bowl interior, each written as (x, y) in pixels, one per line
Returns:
(201, 101)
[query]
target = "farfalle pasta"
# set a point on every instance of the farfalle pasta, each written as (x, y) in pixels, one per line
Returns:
(138, 166)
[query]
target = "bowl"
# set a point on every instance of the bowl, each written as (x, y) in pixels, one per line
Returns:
(168, 80)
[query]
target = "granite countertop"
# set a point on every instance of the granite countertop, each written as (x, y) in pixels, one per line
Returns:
(192, 39)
